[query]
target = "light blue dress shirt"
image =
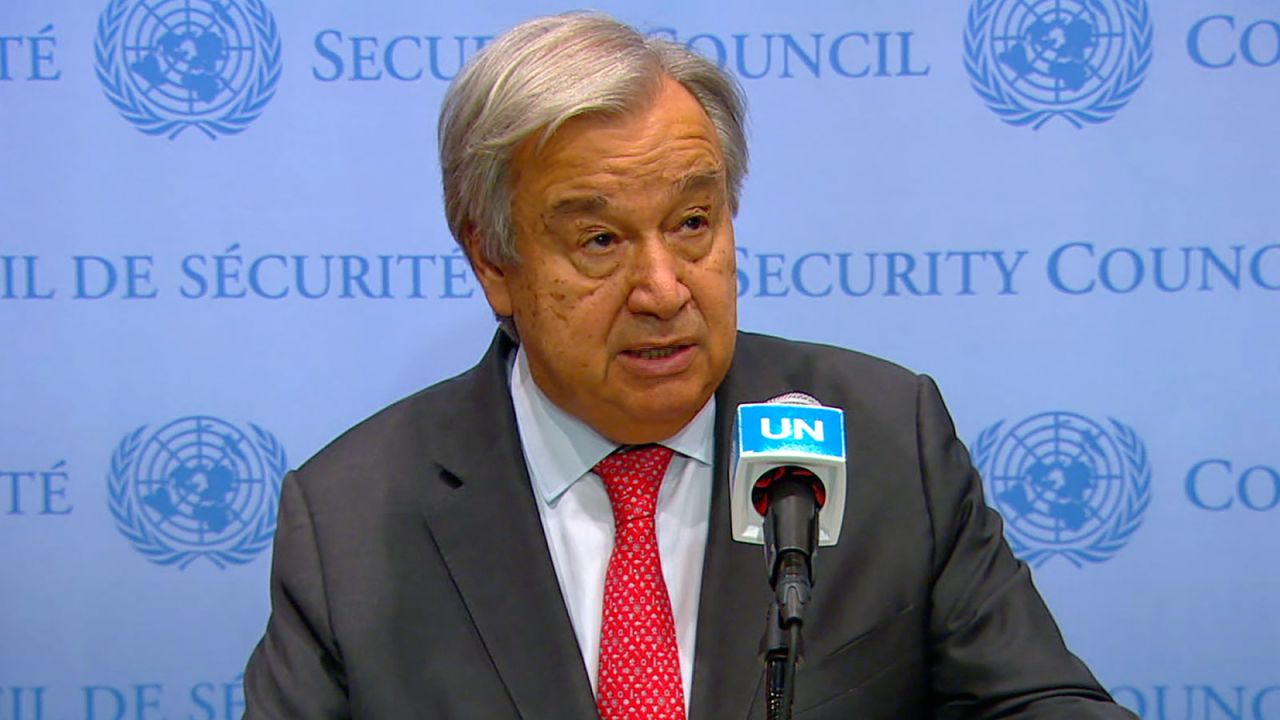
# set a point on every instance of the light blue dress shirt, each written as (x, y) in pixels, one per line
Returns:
(560, 451)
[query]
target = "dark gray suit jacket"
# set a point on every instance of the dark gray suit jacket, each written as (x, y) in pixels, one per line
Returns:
(411, 578)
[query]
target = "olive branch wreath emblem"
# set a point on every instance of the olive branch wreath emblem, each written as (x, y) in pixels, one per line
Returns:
(134, 526)
(1013, 110)
(109, 64)
(1137, 475)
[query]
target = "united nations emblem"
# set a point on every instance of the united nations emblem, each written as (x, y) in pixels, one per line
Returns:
(1065, 485)
(198, 487)
(1035, 60)
(169, 65)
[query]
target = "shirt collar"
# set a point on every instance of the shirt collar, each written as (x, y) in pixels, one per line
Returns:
(560, 449)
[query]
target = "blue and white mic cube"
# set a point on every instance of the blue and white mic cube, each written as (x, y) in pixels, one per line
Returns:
(770, 435)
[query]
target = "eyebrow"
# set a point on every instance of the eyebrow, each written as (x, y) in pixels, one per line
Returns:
(699, 181)
(578, 205)
(593, 203)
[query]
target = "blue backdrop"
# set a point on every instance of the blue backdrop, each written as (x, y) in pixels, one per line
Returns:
(221, 244)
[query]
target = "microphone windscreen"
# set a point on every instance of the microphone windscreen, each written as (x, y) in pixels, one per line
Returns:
(794, 398)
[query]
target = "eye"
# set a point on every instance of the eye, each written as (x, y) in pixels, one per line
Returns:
(694, 223)
(600, 241)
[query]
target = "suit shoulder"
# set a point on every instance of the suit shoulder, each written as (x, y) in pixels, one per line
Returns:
(817, 362)
(398, 433)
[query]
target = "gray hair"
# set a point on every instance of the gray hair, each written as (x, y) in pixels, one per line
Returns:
(544, 72)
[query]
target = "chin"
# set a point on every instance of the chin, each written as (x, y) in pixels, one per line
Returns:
(667, 410)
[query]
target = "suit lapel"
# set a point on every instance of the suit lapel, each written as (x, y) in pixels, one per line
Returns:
(485, 523)
(735, 599)
(488, 532)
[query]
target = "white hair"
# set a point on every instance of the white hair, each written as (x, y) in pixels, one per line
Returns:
(544, 72)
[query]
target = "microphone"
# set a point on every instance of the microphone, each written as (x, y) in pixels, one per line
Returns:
(788, 488)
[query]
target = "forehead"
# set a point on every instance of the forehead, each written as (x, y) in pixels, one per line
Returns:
(668, 142)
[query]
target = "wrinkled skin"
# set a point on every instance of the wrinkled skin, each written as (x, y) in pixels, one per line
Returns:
(625, 294)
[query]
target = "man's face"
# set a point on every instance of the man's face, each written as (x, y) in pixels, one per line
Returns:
(625, 294)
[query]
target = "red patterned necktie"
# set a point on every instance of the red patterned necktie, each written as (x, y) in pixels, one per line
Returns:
(639, 675)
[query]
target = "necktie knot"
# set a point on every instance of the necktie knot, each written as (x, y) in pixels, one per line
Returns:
(632, 476)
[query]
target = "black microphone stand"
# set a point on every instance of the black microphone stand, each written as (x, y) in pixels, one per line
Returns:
(781, 654)
(791, 532)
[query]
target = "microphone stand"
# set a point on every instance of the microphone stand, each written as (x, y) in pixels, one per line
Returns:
(791, 531)
(781, 653)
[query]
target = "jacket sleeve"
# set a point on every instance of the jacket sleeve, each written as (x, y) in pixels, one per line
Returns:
(995, 649)
(296, 669)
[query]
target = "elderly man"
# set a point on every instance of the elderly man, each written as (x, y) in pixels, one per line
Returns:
(547, 535)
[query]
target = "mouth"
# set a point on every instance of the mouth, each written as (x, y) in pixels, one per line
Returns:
(658, 360)
(656, 353)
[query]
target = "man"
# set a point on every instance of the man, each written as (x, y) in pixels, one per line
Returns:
(471, 551)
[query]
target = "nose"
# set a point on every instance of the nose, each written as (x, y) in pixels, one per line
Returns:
(657, 284)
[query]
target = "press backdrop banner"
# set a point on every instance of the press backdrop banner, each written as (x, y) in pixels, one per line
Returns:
(221, 244)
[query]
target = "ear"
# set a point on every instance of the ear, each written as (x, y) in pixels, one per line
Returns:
(493, 278)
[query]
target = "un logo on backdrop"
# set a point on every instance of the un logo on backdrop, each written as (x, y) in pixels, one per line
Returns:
(1065, 485)
(1035, 60)
(198, 487)
(169, 65)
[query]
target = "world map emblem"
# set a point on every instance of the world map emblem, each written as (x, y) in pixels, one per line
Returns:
(170, 65)
(1079, 60)
(1065, 485)
(197, 487)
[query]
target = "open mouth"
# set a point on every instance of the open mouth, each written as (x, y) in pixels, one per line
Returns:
(656, 353)
(659, 361)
